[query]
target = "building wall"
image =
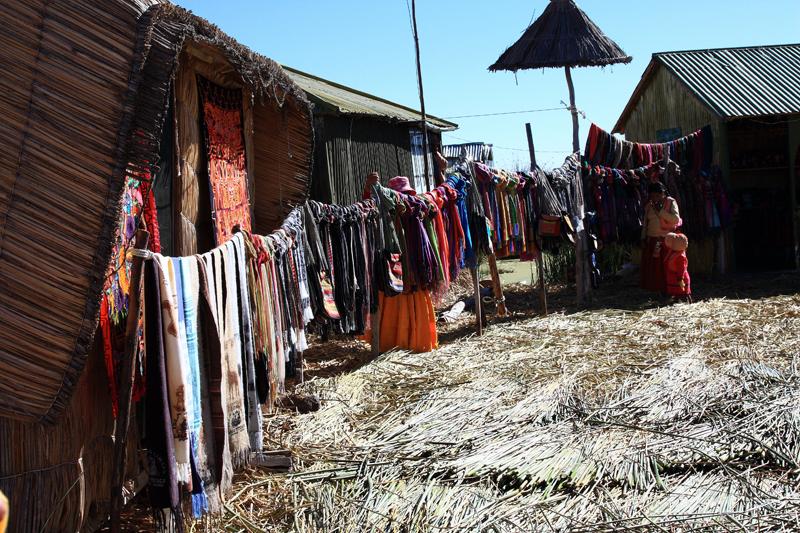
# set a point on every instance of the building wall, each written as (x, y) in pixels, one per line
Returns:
(349, 148)
(794, 170)
(666, 104)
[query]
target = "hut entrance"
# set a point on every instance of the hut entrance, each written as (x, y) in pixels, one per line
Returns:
(761, 187)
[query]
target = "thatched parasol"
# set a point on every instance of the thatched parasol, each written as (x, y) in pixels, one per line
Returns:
(563, 36)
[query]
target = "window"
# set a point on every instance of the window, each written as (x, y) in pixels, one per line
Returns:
(418, 164)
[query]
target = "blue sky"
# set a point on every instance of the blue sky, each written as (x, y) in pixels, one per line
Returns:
(367, 44)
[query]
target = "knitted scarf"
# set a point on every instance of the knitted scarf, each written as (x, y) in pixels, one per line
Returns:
(252, 405)
(162, 486)
(190, 291)
(238, 441)
(214, 430)
(178, 374)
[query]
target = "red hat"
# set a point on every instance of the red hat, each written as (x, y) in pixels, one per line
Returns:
(401, 184)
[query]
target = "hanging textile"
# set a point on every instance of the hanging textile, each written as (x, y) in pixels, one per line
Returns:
(233, 374)
(137, 204)
(221, 112)
(162, 486)
(617, 197)
(693, 152)
(177, 361)
(189, 293)
(251, 403)
(225, 329)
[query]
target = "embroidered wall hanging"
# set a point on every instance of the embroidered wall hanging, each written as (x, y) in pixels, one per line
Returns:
(221, 120)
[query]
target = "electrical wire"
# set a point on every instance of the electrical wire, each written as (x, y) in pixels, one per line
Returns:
(509, 113)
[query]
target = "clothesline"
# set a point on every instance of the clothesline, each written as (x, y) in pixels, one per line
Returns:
(222, 331)
(617, 174)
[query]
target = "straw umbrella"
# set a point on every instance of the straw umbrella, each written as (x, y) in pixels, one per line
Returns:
(563, 36)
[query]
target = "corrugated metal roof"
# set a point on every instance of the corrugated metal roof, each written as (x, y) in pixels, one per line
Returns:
(349, 101)
(476, 151)
(741, 82)
(753, 81)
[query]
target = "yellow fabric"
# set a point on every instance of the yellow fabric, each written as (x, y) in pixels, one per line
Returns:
(407, 321)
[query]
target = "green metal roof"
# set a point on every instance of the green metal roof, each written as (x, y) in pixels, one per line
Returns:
(344, 100)
(754, 81)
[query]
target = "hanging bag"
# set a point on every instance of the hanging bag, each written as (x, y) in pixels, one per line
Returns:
(549, 226)
(394, 274)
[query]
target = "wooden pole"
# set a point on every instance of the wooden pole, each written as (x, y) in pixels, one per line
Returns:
(581, 270)
(177, 184)
(477, 289)
(375, 319)
(126, 384)
(542, 285)
(540, 257)
(425, 144)
(573, 110)
(531, 149)
(497, 286)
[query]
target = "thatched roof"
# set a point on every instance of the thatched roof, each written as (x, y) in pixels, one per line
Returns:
(85, 87)
(563, 36)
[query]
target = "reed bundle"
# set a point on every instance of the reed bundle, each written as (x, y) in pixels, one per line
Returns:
(679, 418)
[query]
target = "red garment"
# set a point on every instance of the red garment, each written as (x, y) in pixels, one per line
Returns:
(151, 218)
(676, 267)
(436, 197)
(108, 354)
(594, 131)
(654, 253)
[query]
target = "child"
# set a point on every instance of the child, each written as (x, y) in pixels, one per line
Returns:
(676, 267)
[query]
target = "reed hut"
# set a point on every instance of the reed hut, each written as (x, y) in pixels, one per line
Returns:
(564, 36)
(95, 92)
(357, 133)
(750, 97)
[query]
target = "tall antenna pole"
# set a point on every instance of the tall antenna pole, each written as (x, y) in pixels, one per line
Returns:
(421, 93)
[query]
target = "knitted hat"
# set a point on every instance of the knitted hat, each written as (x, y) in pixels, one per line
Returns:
(401, 184)
(677, 242)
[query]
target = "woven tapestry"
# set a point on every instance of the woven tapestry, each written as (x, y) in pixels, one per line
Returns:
(227, 168)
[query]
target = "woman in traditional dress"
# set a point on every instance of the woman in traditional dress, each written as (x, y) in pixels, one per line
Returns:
(661, 216)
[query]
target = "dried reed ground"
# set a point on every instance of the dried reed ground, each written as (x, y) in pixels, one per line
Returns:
(675, 419)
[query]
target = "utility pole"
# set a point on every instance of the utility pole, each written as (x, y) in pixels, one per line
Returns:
(425, 144)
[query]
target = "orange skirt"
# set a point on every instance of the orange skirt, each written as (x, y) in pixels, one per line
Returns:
(408, 321)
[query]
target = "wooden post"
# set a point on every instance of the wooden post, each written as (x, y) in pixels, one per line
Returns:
(542, 286)
(177, 183)
(375, 318)
(477, 286)
(497, 286)
(581, 268)
(531, 149)
(126, 385)
(573, 110)
(425, 145)
(540, 258)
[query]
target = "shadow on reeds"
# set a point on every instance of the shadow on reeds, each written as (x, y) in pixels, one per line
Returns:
(522, 301)
(341, 355)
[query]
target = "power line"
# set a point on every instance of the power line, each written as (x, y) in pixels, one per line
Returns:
(494, 146)
(509, 113)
